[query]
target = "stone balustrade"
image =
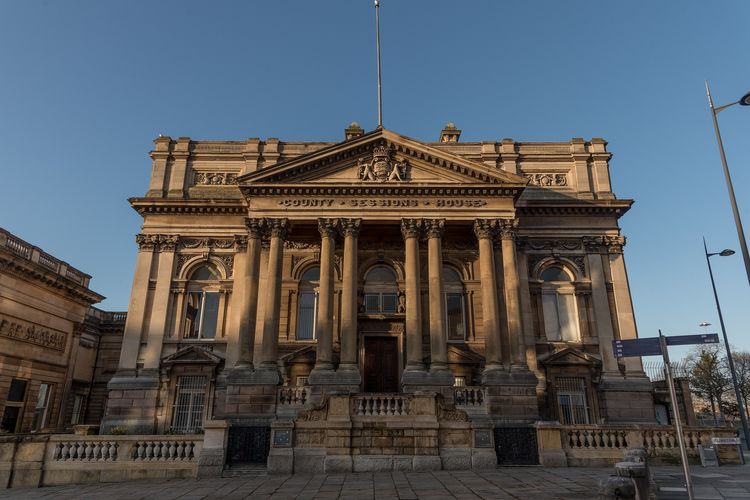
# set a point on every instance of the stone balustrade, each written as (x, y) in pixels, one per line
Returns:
(603, 445)
(381, 405)
(45, 460)
(469, 396)
(295, 396)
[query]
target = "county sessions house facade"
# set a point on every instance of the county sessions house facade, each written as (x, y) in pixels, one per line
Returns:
(379, 298)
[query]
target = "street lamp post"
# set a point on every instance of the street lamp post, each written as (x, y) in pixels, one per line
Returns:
(743, 101)
(740, 405)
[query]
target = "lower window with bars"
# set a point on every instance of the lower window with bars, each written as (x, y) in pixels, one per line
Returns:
(572, 400)
(189, 403)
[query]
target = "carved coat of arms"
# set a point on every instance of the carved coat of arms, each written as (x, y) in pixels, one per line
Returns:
(382, 167)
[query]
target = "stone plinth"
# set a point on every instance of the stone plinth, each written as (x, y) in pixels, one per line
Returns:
(132, 404)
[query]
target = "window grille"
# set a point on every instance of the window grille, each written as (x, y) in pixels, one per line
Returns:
(459, 382)
(189, 401)
(301, 381)
(572, 400)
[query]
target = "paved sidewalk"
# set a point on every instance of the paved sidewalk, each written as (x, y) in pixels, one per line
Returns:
(506, 482)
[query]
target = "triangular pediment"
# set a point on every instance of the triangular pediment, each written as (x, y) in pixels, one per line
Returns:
(191, 355)
(382, 158)
(569, 356)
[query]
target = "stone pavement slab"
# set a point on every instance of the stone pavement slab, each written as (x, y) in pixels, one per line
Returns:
(536, 483)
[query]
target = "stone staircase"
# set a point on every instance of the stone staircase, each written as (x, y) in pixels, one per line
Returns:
(245, 470)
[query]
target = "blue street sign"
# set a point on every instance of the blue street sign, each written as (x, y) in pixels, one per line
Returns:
(637, 347)
(703, 338)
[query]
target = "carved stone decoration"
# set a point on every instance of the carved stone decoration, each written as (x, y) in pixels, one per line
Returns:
(382, 167)
(328, 227)
(168, 242)
(215, 178)
(410, 228)
(614, 244)
(277, 227)
(254, 228)
(317, 413)
(147, 242)
(228, 261)
(548, 244)
(240, 242)
(449, 413)
(182, 260)
(301, 245)
(485, 228)
(350, 227)
(548, 179)
(507, 228)
(578, 260)
(222, 243)
(604, 244)
(434, 228)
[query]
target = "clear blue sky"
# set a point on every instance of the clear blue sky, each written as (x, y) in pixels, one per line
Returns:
(85, 86)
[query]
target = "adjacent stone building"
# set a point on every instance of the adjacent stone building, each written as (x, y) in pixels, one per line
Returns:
(50, 339)
(379, 300)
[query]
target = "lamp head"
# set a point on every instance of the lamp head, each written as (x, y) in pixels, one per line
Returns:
(726, 252)
(745, 100)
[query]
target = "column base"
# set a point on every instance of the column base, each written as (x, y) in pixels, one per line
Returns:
(132, 402)
(322, 374)
(259, 376)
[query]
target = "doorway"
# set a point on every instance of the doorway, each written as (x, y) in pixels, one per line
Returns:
(381, 364)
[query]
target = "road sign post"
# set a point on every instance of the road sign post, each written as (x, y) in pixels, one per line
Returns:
(656, 346)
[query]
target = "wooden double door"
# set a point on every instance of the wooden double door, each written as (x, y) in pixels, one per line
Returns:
(381, 364)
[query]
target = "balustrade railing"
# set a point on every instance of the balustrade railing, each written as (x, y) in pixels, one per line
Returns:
(126, 449)
(295, 396)
(469, 396)
(381, 405)
(657, 440)
(666, 439)
(35, 254)
(591, 437)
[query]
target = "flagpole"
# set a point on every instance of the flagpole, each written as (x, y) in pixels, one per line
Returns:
(377, 45)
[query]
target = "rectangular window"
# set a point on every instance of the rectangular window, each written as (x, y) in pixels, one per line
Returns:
(572, 400)
(381, 303)
(10, 418)
(189, 401)
(390, 303)
(301, 381)
(201, 315)
(454, 316)
(459, 382)
(17, 391)
(42, 405)
(306, 316)
(78, 401)
(560, 317)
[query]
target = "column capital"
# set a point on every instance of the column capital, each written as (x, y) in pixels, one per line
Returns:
(254, 228)
(485, 228)
(410, 228)
(434, 228)
(507, 228)
(614, 244)
(604, 244)
(277, 228)
(240, 242)
(327, 227)
(168, 242)
(350, 227)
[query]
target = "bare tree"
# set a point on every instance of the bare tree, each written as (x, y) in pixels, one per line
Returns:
(742, 369)
(708, 376)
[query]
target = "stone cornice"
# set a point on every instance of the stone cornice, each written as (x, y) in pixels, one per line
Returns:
(27, 270)
(613, 208)
(146, 206)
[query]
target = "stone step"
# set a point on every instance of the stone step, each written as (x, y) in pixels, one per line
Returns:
(245, 470)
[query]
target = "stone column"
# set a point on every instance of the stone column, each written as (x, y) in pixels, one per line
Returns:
(249, 306)
(600, 301)
(438, 337)
(134, 324)
(350, 230)
(277, 229)
(160, 306)
(511, 290)
(410, 229)
(324, 323)
(485, 229)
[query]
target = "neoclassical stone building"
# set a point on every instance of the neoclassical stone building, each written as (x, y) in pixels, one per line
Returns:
(379, 296)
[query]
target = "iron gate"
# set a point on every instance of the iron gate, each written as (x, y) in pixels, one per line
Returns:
(248, 445)
(516, 446)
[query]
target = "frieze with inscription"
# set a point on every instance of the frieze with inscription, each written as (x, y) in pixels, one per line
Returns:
(382, 203)
(33, 334)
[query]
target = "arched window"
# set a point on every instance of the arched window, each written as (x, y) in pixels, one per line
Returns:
(455, 312)
(559, 305)
(381, 291)
(202, 309)
(307, 306)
